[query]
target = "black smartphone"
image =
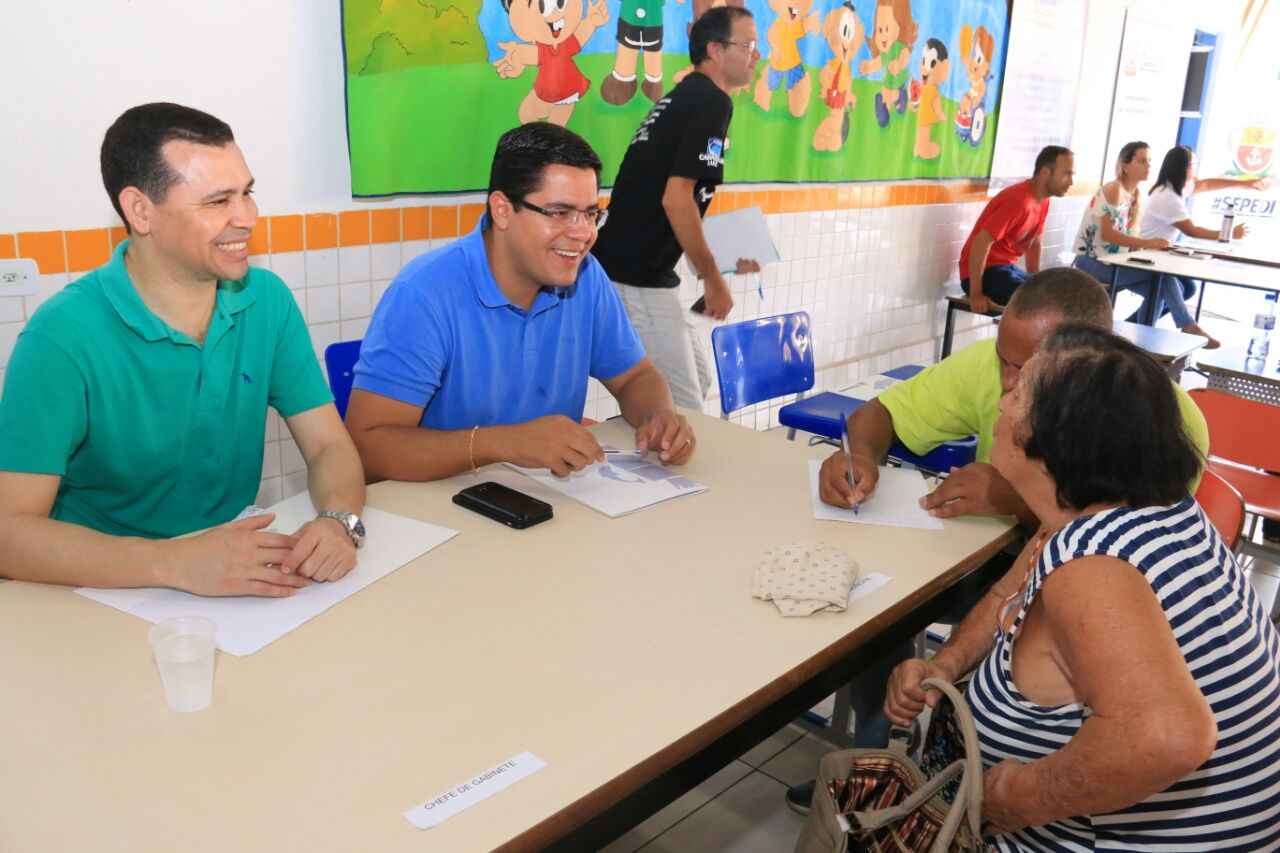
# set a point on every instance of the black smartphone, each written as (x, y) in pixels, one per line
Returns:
(699, 307)
(496, 501)
(1146, 261)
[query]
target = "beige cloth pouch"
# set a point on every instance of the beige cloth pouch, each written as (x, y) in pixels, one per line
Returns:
(804, 578)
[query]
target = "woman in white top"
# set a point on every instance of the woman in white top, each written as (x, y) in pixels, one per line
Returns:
(1110, 225)
(1167, 218)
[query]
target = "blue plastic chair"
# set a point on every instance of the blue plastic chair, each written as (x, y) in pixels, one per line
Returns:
(771, 357)
(762, 359)
(340, 361)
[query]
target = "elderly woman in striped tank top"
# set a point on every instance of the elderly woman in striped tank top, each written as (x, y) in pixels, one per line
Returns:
(1124, 677)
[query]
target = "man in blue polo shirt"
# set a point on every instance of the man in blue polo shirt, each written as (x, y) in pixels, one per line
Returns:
(135, 402)
(480, 351)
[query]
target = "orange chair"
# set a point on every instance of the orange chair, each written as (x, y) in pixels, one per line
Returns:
(1243, 448)
(1224, 506)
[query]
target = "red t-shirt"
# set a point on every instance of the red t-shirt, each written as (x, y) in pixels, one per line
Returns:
(558, 76)
(1014, 218)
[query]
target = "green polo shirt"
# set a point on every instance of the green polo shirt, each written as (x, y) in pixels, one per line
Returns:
(960, 396)
(152, 433)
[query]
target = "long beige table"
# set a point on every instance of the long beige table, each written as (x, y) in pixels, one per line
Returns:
(616, 650)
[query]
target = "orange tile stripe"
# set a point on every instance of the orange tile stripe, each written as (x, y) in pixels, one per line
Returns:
(80, 250)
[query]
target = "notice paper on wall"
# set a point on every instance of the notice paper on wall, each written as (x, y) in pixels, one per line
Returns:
(464, 795)
(894, 503)
(741, 233)
(246, 624)
(623, 483)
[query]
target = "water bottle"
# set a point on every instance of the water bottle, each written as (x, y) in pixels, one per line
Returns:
(1228, 223)
(1263, 322)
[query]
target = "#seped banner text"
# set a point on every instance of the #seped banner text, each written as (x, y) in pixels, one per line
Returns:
(868, 90)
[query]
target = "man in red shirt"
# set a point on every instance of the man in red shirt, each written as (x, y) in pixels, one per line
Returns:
(1010, 227)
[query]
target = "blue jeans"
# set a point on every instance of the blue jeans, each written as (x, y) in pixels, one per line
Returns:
(1171, 292)
(999, 282)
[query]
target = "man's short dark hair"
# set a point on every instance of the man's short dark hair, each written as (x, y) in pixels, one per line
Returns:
(524, 151)
(131, 149)
(1048, 157)
(1071, 294)
(714, 26)
(1104, 419)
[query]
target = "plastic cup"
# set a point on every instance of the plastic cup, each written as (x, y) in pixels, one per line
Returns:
(184, 652)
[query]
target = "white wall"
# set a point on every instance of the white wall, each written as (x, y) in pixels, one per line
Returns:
(272, 69)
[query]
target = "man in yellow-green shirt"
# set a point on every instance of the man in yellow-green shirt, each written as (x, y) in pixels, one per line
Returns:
(960, 397)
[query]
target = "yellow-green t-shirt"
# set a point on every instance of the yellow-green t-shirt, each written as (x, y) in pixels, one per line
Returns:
(960, 397)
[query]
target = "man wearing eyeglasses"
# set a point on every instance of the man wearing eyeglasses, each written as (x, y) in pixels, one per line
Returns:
(480, 351)
(664, 186)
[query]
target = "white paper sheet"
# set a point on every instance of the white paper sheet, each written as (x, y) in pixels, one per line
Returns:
(623, 483)
(741, 233)
(894, 503)
(248, 623)
(482, 786)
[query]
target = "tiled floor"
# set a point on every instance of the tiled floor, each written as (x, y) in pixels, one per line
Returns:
(739, 809)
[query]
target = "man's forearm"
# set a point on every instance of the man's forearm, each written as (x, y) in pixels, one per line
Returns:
(42, 550)
(871, 431)
(1033, 257)
(686, 222)
(977, 266)
(644, 394)
(417, 454)
(336, 480)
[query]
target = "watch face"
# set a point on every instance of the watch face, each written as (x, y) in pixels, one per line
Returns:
(359, 526)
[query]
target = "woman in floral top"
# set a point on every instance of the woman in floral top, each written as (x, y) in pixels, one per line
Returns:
(1110, 225)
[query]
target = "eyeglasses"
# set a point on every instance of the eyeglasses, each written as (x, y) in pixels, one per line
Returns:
(567, 217)
(749, 45)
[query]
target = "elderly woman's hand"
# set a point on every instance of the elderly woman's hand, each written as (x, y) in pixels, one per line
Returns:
(905, 698)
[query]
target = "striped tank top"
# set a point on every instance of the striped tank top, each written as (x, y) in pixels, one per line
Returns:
(1232, 802)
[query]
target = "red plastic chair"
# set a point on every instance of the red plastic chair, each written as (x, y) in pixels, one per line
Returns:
(1243, 447)
(1224, 506)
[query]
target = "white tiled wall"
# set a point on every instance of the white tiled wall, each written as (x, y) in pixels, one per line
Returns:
(870, 279)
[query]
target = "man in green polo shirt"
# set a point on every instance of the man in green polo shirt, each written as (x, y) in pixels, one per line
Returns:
(135, 402)
(960, 397)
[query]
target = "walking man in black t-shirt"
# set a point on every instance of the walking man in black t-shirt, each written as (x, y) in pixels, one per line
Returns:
(664, 186)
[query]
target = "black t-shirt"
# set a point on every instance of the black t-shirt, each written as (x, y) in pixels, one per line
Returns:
(686, 135)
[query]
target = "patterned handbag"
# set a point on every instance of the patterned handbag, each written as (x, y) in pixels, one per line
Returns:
(880, 801)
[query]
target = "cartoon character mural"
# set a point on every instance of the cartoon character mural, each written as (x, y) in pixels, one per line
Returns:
(784, 66)
(934, 70)
(977, 47)
(892, 38)
(555, 31)
(700, 7)
(844, 34)
(639, 31)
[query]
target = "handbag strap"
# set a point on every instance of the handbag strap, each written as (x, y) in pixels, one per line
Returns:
(970, 794)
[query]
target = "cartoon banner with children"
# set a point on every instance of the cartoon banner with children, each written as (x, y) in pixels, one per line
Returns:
(845, 90)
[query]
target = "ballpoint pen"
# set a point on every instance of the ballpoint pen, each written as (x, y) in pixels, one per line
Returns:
(848, 455)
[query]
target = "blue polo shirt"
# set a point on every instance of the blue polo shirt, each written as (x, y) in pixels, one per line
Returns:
(152, 433)
(445, 338)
